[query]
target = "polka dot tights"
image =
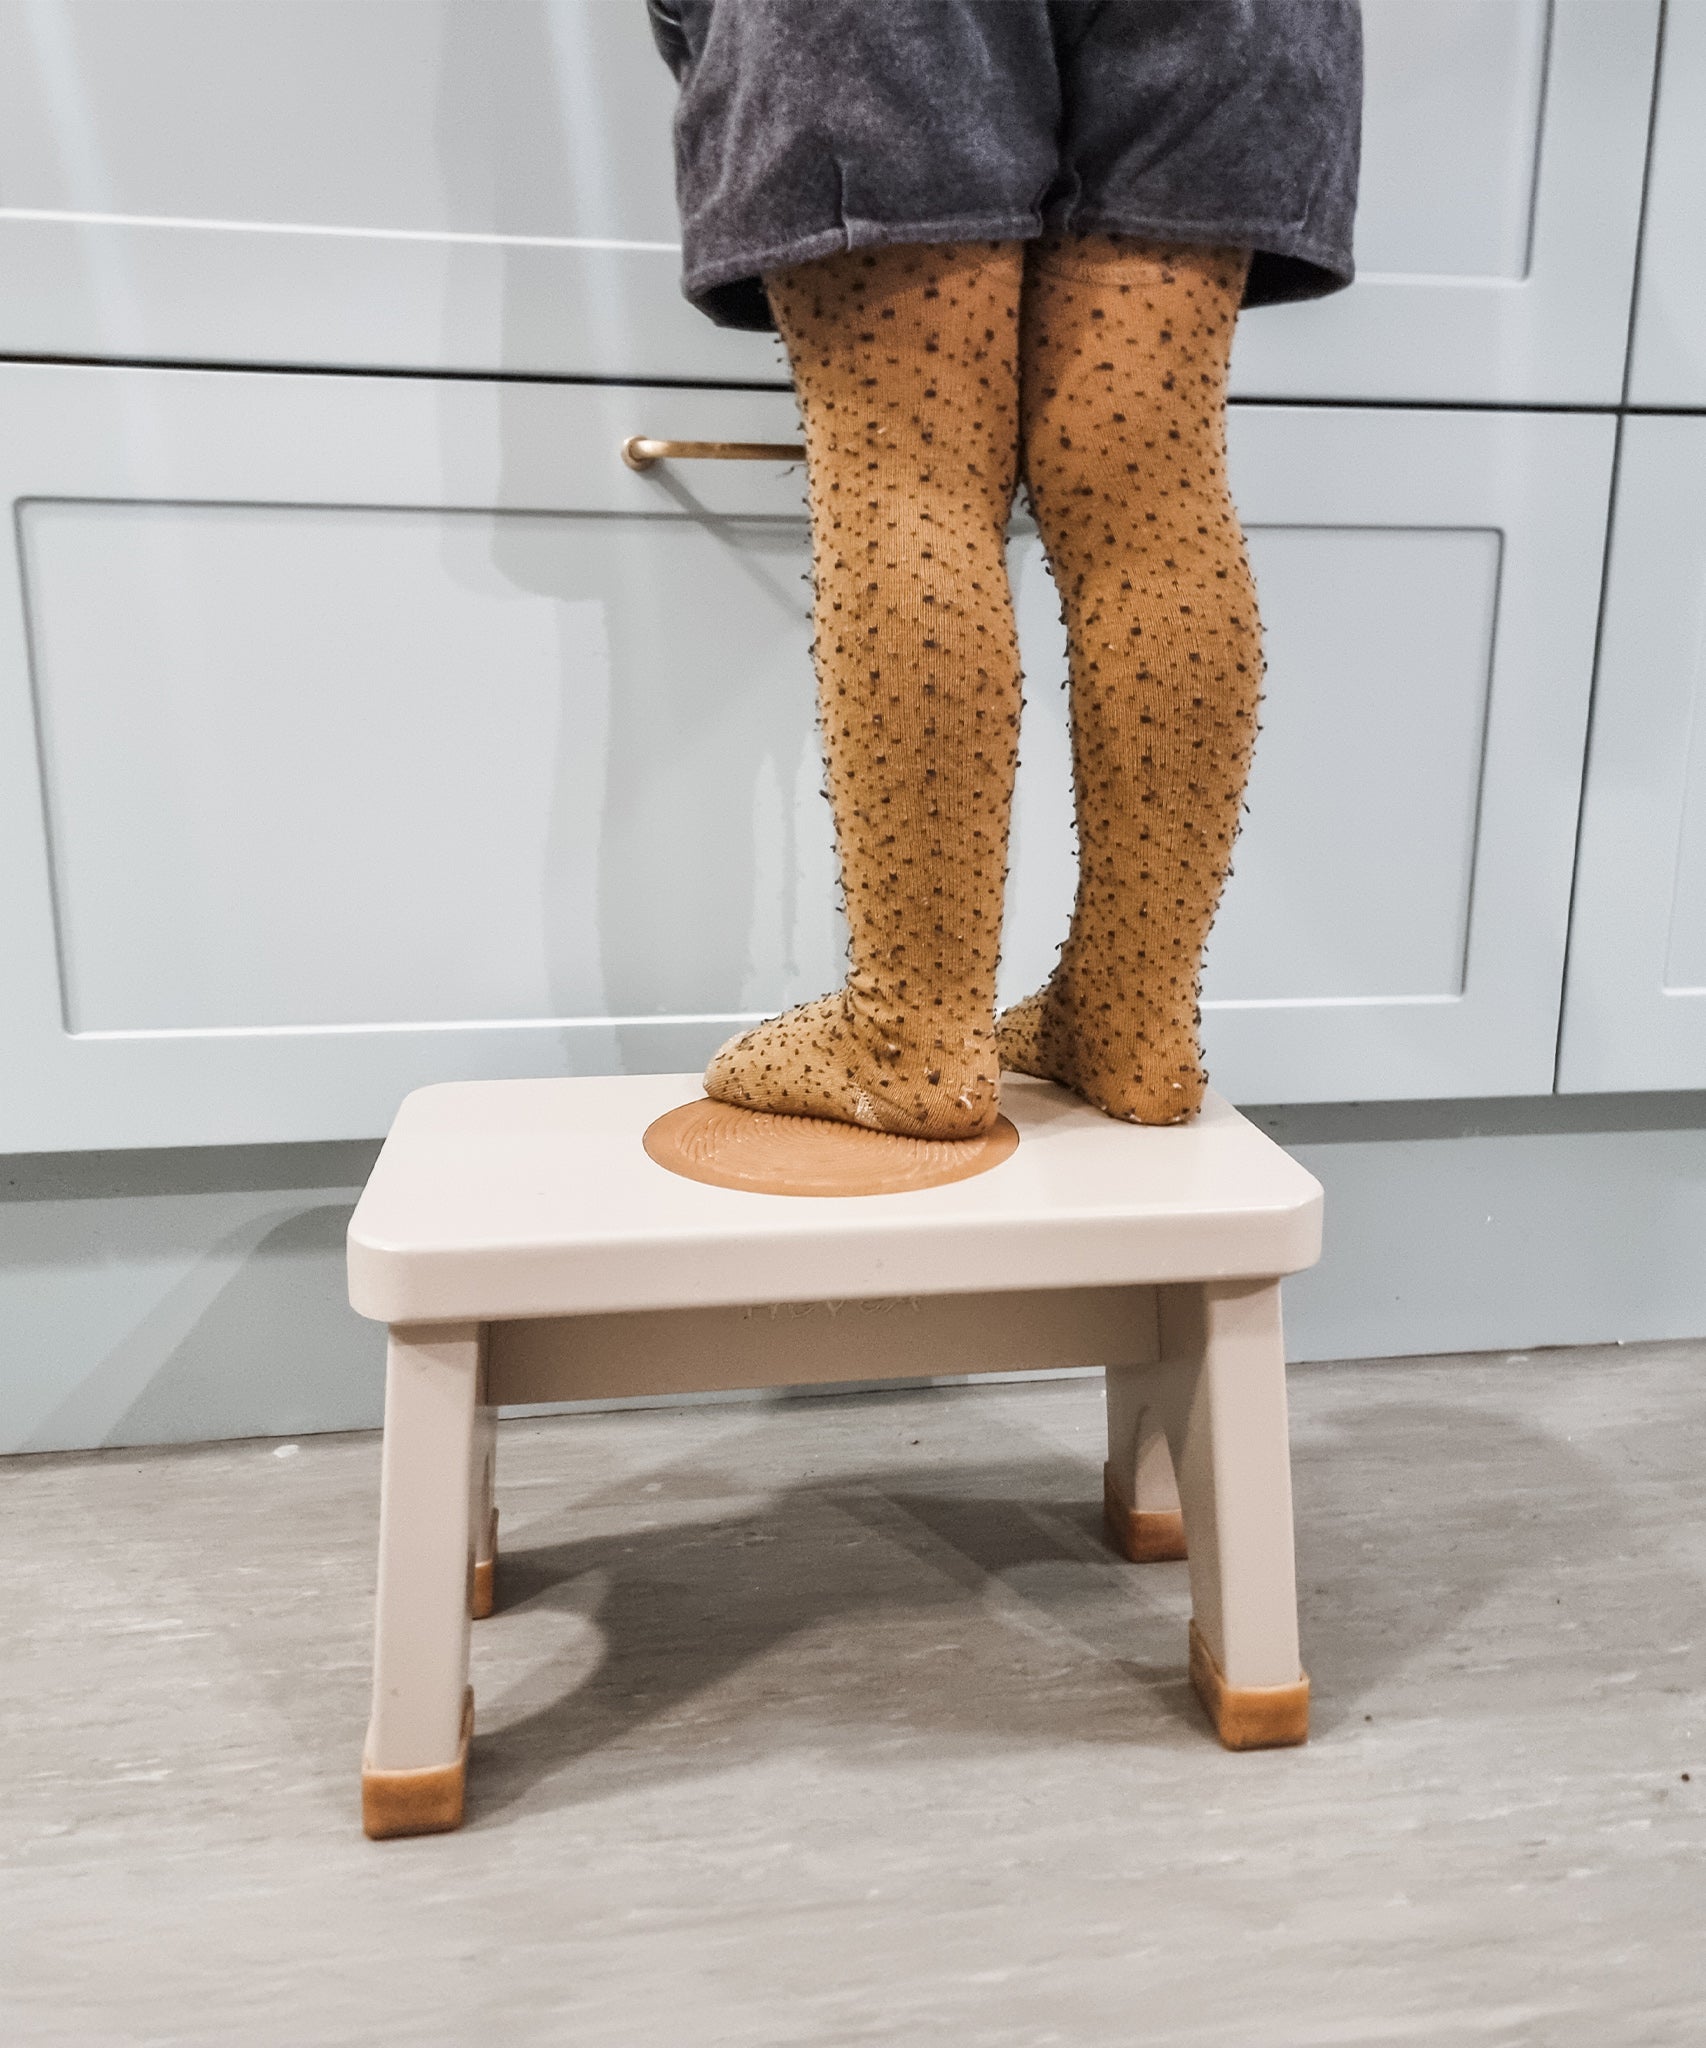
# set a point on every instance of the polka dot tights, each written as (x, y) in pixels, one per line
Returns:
(932, 378)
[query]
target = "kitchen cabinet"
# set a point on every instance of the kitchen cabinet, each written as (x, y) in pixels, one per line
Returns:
(358, 732)
(452, 185)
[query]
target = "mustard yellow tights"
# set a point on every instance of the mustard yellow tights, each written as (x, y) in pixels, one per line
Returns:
(930, 378)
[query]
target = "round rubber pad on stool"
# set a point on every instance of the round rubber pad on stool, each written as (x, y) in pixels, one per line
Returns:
(766, 1154)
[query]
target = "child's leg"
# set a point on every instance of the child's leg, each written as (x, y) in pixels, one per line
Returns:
(1124, 351)
(906, 365)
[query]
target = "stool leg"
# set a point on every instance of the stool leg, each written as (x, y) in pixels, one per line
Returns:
(482, 1510)
(1221, 1386)
(415, 1764)
(1140, 1497)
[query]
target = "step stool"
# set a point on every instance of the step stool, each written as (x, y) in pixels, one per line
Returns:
(522, 1247)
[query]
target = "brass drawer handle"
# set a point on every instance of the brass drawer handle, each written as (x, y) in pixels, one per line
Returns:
(640, 451)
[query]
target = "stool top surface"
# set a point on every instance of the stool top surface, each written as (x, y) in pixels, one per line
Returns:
(501, 1199)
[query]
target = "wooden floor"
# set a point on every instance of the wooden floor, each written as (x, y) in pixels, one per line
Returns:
(833, 1721)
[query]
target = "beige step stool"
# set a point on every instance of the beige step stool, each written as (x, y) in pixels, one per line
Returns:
(522, 1247)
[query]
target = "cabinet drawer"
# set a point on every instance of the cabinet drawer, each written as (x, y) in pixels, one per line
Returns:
(361, 732)
(364, 731)
(1504, 143)
(1635, 1006)
(449, 184)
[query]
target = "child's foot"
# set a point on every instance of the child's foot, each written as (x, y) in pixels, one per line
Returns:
(1131, 1063)
(825, 1059)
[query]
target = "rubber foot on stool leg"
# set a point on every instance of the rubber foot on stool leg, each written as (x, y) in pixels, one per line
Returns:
(1142, 1535)
(483, 1593)
(424, 1802)
(1249, 1716)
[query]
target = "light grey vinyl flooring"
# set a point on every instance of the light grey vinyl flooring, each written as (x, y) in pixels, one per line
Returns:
(833, 1721)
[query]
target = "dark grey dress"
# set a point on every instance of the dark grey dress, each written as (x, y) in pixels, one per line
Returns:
(808, 126)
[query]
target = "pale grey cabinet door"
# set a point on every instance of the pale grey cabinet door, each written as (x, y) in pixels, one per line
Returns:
(458, 184)
(1635, 1002)
(362, 732)
(467, 185)
(1667, 364)
(1395, 924)
(1503, 148)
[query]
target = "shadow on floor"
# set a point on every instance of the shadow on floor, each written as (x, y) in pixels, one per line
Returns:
(984, 1609)
(898, 1614)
